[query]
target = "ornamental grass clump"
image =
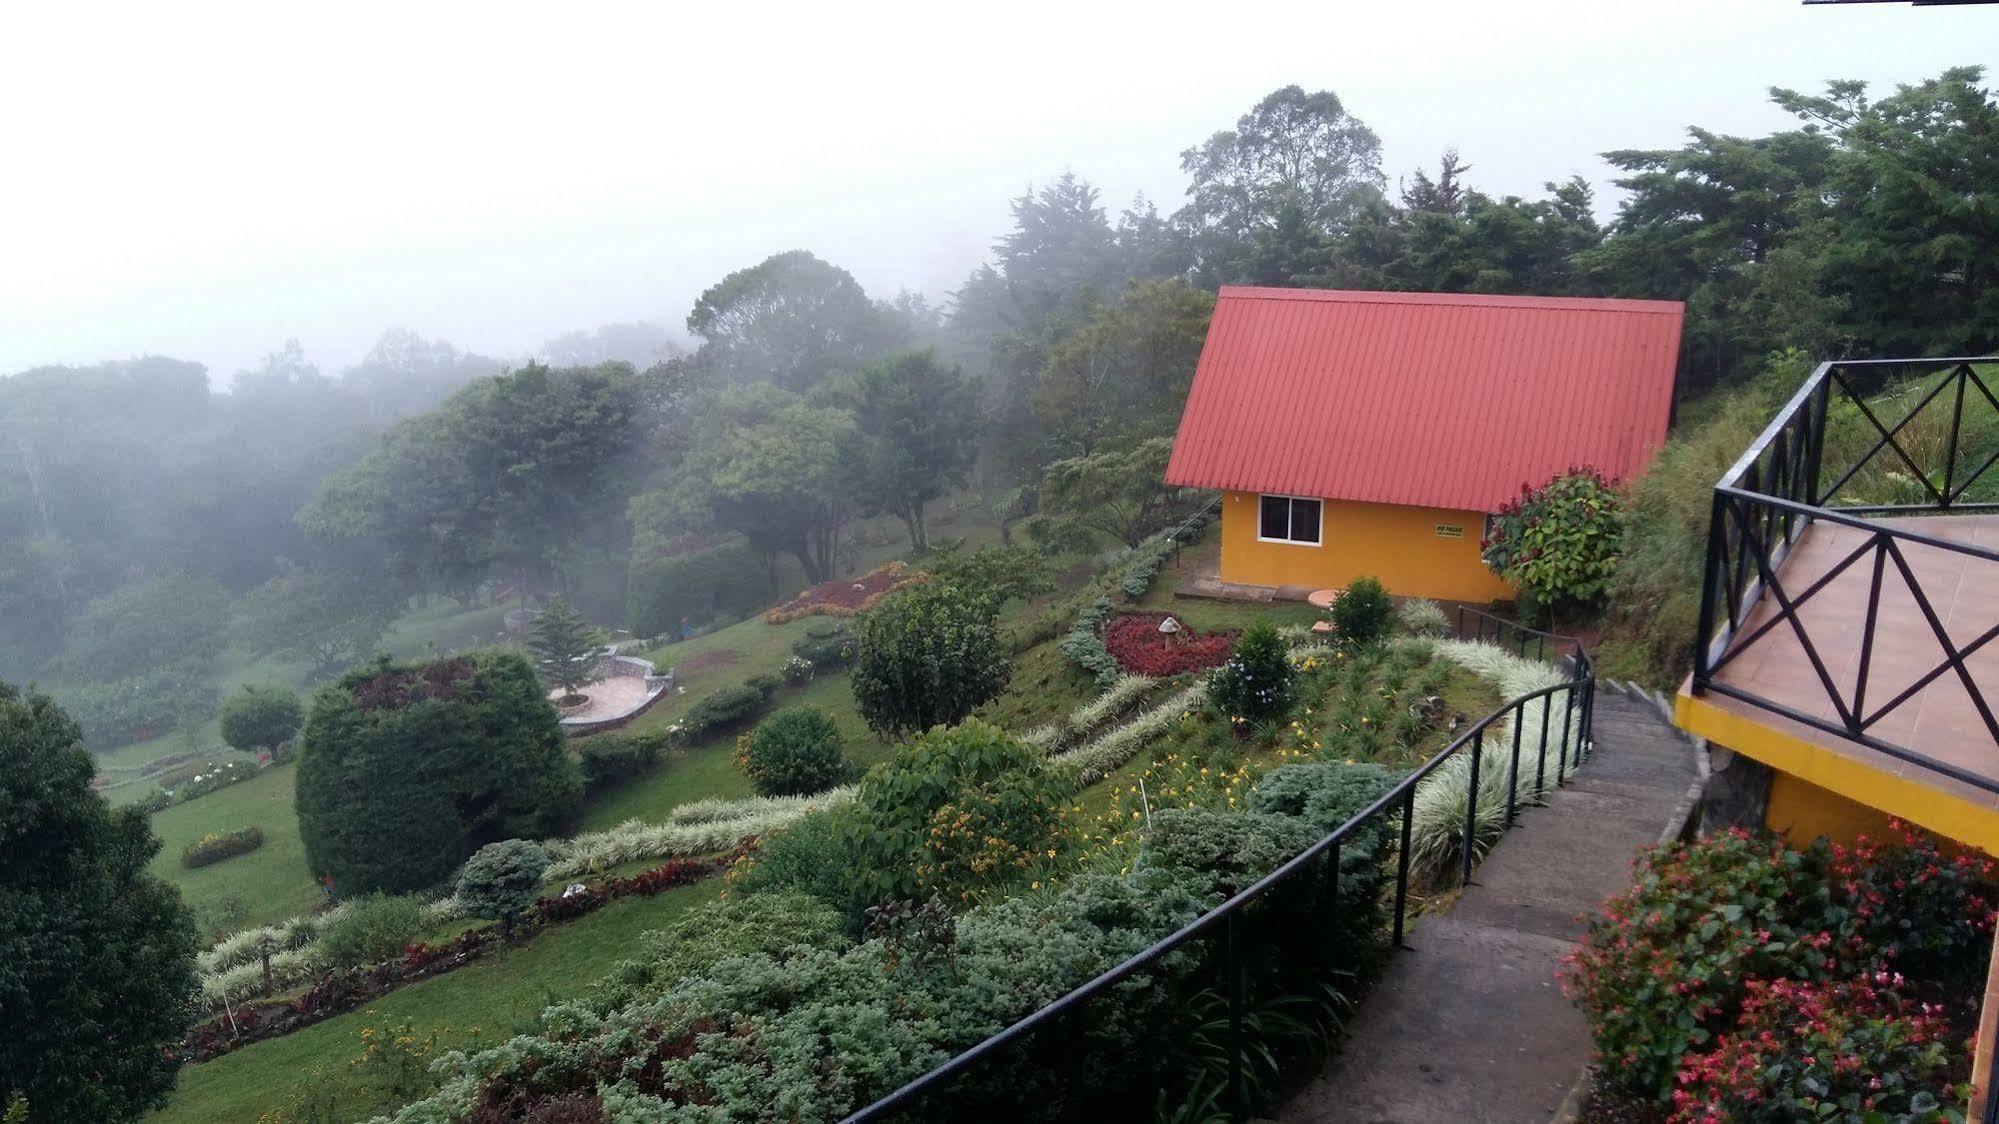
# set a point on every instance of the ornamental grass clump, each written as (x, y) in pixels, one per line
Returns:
(1255, 684)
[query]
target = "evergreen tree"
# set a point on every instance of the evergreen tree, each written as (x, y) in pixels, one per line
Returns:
(566, 645)
(404, 770)
(97, 968)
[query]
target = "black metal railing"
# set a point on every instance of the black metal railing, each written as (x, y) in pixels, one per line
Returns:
(1829, 457)
(1061, 1030)
(1477, 624)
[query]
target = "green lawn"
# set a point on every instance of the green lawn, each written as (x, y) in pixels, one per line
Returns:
(268, 884)
(485, 1002)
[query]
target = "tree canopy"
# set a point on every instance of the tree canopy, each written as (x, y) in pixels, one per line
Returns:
(790, 320)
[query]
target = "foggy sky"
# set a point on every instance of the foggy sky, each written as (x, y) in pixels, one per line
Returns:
(204, 181)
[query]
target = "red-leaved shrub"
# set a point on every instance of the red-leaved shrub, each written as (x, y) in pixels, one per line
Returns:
(1134, 640)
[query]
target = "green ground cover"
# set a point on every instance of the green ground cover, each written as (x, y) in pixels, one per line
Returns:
(485, 1002)
(268, 884)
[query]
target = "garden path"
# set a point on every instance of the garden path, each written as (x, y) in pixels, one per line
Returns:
(1469, 1024)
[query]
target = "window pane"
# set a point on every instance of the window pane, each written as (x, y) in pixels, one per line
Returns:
(1276, 517)
(1305, 520)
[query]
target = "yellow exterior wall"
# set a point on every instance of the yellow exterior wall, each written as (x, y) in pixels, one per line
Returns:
(1398, 545)
(1809, 778)
(1801, 811)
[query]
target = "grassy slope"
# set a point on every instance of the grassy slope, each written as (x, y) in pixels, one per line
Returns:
(485, 1002)
(270, 883)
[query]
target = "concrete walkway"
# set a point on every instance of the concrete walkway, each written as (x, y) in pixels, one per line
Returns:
(1469, 1024)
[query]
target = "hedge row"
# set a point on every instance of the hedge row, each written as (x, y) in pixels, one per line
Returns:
(216, 846)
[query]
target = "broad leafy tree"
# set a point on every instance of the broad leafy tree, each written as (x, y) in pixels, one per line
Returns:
(1125, 373)
(930, 653)
(260, 717)
(327, 619)
(406, 769)
(915, 425)
(790, 320)
(97, 972)
(170, 619)
(1120, 492)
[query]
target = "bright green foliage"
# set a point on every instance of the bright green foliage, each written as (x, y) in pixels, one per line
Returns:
(1121, 491)
(750, 924)
(916, 422)
(260, 717)
(96, 957)
(1255, 685)
(328, 620)
(930, 653)
(404, 770)
(565, 645)
(998, 573)
(373, 928)
(957, 814)
(1560, 542)
(502, 880)
(1362, 613)
(805, 856)
(795, 752)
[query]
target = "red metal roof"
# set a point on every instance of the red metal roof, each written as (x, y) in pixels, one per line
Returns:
(1425, 399)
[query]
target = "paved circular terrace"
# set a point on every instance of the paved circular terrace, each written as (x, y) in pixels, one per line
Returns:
(609, 698)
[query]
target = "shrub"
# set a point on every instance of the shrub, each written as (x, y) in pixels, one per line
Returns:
(447, 755)
(1325, 796)
(1559, 542)
(1224, 851)
(1134, 640)
(723, 582)
(1850, 1051)
(260, 718)
(727, 708)
(763, 924)
(502, 881)
(795, 752)
(609, 759)
(804, 856)
(1931, 913)
(214, 847)
(372, 929)
(1255, 684)
(1361, 614)
(834, 649)
(958, 814)
(998, 573)
(140, 706)
(1084, 645)
(929, 654)
(1420, 616)
(797, 671)
(1666, 964)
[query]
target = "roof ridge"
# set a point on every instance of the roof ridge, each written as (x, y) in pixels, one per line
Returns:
(1637, 305)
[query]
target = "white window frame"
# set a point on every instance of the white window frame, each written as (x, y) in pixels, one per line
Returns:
(1261, 496)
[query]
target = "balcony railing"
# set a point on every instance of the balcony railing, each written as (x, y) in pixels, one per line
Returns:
(1831, 456)
(1242, 933)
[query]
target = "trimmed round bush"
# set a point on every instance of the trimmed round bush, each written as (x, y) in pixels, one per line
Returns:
(929, 654)
(260, 718)
(1362, 613)
(795, 752)
(502, 880)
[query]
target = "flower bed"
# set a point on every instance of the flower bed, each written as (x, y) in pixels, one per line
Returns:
(845, 597)
(216, 846)
(1134, 640)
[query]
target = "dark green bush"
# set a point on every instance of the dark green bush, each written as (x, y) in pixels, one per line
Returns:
(405, 770)
(1362, 613)
(930, 653)
(142, 706)
(727, 708)
(748, 924)
(614, 758)
(795, 752)
(1255, 685)
(1560, 541)
(1325, 796)
(721, 582)
(260, 717)
(1224, 851)
(834, 649)
(501, 881)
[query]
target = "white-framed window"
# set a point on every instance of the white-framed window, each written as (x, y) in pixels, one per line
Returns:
(1292, 519)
